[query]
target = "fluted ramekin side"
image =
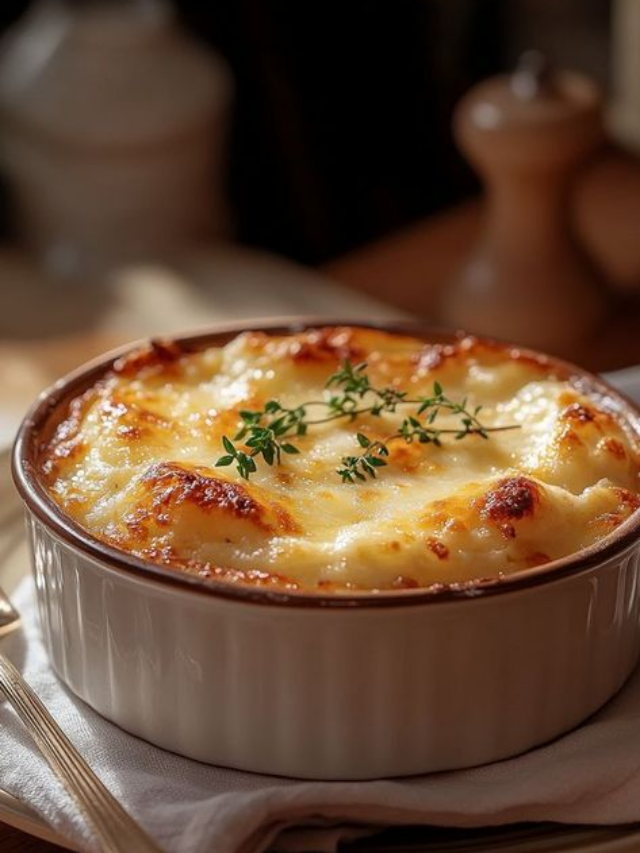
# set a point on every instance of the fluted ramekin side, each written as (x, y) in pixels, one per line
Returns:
(337, 693)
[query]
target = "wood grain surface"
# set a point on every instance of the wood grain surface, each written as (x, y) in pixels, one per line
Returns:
(13, 841)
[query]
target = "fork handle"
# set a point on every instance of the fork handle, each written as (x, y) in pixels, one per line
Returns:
(114, 829)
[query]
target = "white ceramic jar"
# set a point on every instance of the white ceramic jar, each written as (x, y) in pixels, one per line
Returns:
(113, 136)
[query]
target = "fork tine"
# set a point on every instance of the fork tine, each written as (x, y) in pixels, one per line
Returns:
(58, 763)
(116, 831)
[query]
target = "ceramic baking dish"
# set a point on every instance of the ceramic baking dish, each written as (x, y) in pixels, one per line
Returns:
(349, 686)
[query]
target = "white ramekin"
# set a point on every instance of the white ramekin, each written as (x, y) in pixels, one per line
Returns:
(320, 686)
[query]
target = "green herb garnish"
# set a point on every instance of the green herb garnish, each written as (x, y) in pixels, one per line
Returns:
(266, 432)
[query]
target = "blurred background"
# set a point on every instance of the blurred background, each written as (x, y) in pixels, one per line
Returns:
(165, 165)
(341, 128)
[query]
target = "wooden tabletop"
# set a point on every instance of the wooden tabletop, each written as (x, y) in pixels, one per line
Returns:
(408, 270)
(14, 841)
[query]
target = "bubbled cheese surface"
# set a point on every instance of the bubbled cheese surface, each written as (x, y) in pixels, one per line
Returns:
(134, 463)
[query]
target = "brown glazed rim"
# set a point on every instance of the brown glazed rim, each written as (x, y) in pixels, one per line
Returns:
(55, 399)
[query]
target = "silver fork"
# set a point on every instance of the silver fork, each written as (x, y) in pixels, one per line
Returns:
(114, 829)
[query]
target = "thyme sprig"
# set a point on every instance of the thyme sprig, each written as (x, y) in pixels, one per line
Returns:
(411, 429)
(355, 384)
(264, 432)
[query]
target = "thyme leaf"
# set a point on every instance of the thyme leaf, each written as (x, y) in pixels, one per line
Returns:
(265, 433)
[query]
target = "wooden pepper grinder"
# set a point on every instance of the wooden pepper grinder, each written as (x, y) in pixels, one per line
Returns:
(529, 280)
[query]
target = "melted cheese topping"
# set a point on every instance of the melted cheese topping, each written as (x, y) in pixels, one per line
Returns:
(134, 463)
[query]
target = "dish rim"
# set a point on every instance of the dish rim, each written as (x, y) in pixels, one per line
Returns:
(59, 394)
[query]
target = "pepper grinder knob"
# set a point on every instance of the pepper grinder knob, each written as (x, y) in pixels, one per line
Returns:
(528, 279)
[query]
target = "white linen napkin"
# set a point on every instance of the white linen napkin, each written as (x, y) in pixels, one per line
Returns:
(591, 775)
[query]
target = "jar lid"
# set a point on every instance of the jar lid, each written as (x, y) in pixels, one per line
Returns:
(534, 115)
(534, 95)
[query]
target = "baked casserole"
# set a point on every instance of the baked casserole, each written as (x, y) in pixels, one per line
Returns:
(396, 463)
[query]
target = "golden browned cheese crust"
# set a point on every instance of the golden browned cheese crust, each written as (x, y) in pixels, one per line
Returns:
(133, 462)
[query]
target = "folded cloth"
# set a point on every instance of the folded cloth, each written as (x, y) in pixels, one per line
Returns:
(591, 775)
